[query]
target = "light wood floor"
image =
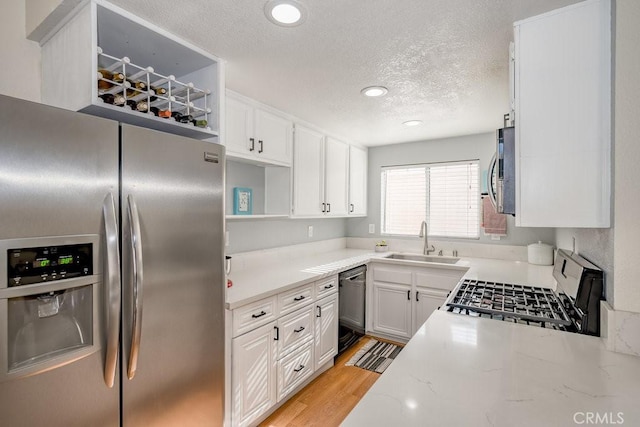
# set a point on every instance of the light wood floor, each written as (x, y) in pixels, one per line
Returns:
(328, 399)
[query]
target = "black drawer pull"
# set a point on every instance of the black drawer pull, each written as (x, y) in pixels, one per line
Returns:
(299, 329)
(262, 313)
(409, 294)
(329, 286)
(300, 298)
(277, 333)
(300, 368)
(417, 295)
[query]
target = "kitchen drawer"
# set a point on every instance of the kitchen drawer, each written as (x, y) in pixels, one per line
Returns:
(326, 287)
(294, 329)
(290, 301)
(252, 315)
(293, 369)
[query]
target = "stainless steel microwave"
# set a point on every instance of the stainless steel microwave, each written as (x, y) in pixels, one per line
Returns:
(501, 179)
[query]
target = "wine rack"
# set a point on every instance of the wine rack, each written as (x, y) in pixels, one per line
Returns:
(105, 61)
(141, 90)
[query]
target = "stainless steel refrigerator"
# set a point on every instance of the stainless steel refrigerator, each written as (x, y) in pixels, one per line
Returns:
(111, 273)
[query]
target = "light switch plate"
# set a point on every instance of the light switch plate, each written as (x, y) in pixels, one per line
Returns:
(372, 228)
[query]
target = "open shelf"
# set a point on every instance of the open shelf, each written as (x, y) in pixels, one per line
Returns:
(241, 217)
(101, 36)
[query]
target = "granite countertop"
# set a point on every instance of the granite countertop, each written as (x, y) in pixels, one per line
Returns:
(460, 370)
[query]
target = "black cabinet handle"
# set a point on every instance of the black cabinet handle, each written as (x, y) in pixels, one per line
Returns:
(352, 207)
(260, 150)
(253, 144)
(300, 368)
(262, 313)
(300, 329)
(277, 333)
(328, 207)
(329, 286)
(409, 294)
(417, 296)
(300, 298)
(319, 311)
(324, 207)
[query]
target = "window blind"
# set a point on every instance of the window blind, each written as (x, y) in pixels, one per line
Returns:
(446, 195)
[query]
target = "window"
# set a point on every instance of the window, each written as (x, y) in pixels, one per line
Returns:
(446, 195)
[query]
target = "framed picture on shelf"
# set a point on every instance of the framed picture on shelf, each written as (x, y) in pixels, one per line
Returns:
(242, 201)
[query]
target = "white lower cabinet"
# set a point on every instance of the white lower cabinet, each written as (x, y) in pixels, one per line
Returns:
(392, 308)
(326, 334)
(294, 368)
(253, 374)
(269, 361)
(401, 298)
(426, 302)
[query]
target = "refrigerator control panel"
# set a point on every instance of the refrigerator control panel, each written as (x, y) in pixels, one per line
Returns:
(26, 266)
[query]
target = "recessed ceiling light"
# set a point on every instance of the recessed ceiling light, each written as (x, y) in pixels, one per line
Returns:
(374, 91)
(412, 122)
(286, 13)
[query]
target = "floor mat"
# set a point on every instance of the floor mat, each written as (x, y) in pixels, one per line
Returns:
(375, 356)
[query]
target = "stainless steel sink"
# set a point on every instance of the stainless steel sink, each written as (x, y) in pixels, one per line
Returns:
(424, 258)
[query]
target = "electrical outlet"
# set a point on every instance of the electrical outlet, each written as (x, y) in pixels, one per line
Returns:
(310, 231)
(372, 228)
(226, 238)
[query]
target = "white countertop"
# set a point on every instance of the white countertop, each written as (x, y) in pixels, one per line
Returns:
(253, 284)
(460, 370)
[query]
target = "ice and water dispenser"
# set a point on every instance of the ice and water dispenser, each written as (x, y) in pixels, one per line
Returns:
(48, 303)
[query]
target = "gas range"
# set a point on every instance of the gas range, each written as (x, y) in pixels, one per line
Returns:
(575, 308)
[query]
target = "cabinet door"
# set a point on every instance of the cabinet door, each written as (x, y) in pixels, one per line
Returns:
(336, 177)
(326, 339)
(239, 125)
(273, 136)
(563, 113)
(308, 172)
(426, 302)
(357, 181)
(392, 309)
(253, 375)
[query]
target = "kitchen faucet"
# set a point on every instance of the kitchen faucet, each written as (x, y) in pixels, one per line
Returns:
(423, 233)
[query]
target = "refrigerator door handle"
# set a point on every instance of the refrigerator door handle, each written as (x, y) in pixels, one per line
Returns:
(112, 283)
(136, 250)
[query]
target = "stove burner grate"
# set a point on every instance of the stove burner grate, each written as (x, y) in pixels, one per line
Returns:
(516, 303)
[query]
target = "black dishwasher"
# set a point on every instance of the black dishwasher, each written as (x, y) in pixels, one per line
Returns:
(352, 291)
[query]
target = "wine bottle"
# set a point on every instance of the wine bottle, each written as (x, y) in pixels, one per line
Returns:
(160, 113)
(113, 98)
(200, 123)
(108, 75)
(184, 118)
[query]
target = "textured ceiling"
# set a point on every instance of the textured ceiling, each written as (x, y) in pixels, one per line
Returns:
(444, 61)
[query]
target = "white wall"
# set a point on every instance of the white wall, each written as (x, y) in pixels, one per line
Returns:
(20, 71)
(480, 146)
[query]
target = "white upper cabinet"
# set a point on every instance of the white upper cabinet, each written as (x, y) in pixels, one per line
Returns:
(563, 117)
(254, 134)
(320, 174)
(336, 177)
(108, 62)
(308, 172)
(357, 181)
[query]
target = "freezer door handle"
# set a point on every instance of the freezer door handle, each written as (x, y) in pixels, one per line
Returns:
(112, 282)
(136, 250)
